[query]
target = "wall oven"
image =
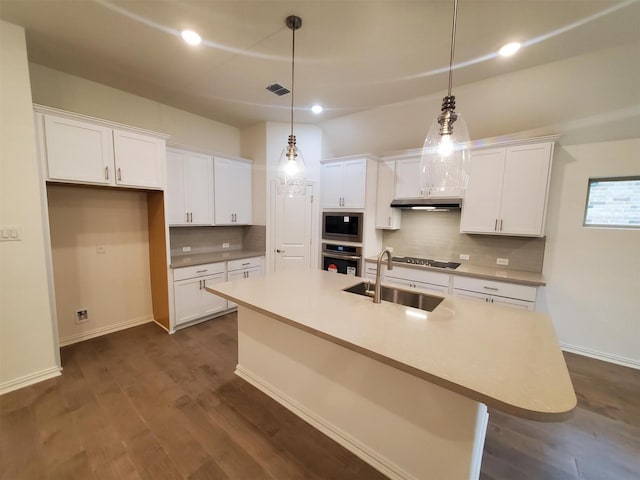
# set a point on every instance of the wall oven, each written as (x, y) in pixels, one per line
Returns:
(344, 259)
(342, 226)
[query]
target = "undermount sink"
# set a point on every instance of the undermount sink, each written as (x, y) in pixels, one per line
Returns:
(422, 301)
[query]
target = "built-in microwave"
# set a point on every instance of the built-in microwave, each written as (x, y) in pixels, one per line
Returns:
(342, 226)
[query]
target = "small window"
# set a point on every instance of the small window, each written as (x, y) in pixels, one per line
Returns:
(613, 202)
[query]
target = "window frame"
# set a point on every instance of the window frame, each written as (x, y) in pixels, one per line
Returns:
(590, 182)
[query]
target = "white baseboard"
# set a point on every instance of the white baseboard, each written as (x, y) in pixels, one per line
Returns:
(605, 357)
(97, 332)
(30, 379)
(356, 447)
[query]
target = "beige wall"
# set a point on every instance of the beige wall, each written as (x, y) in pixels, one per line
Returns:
(254, 146)
(68, 92)
(593, 274)
(27, 345)
(113, 286)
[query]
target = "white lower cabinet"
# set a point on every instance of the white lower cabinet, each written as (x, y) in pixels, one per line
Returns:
(244, 268)
(415, 278)
(499, 293)
(192, 300)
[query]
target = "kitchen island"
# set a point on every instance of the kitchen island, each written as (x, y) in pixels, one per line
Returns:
(404, 389)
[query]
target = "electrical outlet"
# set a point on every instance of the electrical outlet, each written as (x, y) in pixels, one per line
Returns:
(225, 245)
(186, 249)
(82, 316)
(464, 256)
(10, 233)
(502, 261)
(101, 249)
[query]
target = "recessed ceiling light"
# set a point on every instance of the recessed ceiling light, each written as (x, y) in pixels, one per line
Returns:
(317, 109)
(191, 37)
(509, 49)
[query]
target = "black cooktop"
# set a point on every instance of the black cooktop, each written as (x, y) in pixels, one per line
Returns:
(427, 262)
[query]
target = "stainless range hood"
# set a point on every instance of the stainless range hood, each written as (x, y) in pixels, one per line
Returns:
(438, 203)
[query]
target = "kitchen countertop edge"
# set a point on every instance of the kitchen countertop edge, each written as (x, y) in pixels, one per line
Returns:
(180, 261)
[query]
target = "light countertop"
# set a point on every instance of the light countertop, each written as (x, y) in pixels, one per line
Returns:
(507, 358)
(514, 276)
(189, 260)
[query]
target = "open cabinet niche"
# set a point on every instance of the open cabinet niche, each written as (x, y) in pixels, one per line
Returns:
(109, 255)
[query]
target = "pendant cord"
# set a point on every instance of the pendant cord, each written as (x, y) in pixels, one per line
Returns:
(293, 54)
(453, 44)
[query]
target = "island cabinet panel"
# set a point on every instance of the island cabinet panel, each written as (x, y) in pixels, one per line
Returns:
(79, 149)
(189, 187)
(232, 191)
(344, 184)
(404, 426)
(387, 218)
(507, 190)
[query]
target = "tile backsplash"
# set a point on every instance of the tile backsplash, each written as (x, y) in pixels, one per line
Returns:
(211, 239)
(437, 235)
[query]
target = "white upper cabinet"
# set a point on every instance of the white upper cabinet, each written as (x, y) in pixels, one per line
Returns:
(189, 188)
(387, 218)
(232, 191)
(138, 159)
(344, 184)
(79, 149)
(508, 190)
(408, 178)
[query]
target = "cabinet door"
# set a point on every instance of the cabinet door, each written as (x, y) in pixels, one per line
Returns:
(354, 182)
(188, 299)
(211, 303)
(332, 185)
(242, 192)
(524, 189)
(198, 188)
(232, 191)
(176, 206)
(408, 179)
(512, 302)
(386, 217)
(78, 151)
(139, 160)
(481, 206)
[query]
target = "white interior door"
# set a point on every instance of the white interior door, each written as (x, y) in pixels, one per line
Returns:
(293, 231)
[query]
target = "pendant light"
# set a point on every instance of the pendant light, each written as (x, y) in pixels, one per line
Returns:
(291, 168)
(444, 163)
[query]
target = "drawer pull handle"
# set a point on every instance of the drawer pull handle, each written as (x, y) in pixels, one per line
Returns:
(201, 271)
(119, 175)
(491, 288)
(248, 263)
(106, 173)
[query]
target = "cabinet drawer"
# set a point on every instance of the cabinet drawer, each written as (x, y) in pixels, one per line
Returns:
(491, 287)
(425, 276)
(198, 271)
(244, 263)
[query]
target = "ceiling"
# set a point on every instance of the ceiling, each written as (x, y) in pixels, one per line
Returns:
(351, 55)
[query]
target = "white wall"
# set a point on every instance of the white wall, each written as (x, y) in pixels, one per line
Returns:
(68, 92)
(593, 274)
(28, 350)
(254, 146)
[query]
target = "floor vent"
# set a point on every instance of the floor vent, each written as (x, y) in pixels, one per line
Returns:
(278, 89)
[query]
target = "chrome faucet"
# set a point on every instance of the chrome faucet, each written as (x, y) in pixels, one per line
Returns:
(376, 291)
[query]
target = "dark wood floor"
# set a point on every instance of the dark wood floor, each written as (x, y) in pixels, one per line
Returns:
(141, 404)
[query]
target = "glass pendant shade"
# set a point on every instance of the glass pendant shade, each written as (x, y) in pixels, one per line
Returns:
(444, 163)
(291, 170)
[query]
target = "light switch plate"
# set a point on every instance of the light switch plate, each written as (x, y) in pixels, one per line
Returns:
(10, 233)
(464, 256)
